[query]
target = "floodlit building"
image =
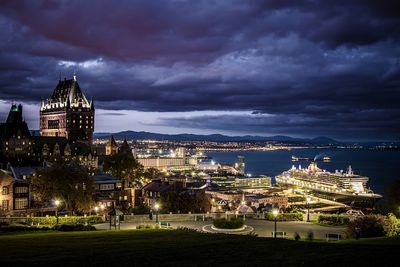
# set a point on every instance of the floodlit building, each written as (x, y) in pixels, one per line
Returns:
(14, 195)
(67, 113)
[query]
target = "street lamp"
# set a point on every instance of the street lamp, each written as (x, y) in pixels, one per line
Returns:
(275, 212)
(57, 203)
(308, 208)
(96, 209)
(156, 207)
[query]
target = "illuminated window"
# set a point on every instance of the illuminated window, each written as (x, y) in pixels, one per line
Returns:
(21, 203)
(53, 124)
(4, 205)
(21, 189)
(5, 190)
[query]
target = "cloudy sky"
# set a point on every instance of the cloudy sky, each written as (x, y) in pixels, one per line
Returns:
(299, 68)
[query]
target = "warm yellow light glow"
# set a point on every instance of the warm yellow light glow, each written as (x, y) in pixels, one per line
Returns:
(57, 202)
(156, 206)
(275, 212)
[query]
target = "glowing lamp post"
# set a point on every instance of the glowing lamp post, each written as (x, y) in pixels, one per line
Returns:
(308, 208)
(156, 207)
(57, 203)
(275, 212)
(96, 209)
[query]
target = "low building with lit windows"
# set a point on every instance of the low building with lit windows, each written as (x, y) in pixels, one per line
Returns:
(14, 194)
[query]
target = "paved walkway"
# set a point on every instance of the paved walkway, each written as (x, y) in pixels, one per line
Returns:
(261, 227)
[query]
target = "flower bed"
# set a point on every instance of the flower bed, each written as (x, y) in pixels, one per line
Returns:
(333, 219)
(233, 223)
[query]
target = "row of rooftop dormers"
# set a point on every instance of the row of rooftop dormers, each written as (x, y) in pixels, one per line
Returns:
(67, 94)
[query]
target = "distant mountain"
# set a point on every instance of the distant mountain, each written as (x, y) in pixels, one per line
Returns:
(132, 135)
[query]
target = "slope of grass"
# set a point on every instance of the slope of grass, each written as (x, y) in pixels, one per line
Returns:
(183, 248)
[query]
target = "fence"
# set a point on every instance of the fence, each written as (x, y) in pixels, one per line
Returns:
(144, 218)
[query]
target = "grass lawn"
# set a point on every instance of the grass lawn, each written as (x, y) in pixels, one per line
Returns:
(178, 247)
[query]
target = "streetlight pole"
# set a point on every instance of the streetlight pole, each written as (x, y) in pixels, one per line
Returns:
(308, 209)
(57, 202)
(275, 213)
(156, 207)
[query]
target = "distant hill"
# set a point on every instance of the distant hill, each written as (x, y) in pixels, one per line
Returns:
(132, 135)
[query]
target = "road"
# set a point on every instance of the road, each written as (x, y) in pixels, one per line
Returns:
(262, 228)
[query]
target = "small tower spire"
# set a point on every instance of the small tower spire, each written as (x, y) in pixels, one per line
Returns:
(74, 75)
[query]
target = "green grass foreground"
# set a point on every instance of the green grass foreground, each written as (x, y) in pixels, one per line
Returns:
(178, 247)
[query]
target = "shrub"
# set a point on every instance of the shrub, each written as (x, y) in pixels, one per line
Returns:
(292, 216)
(296, 236)
(74, 227)
(147, 226)
(233, 223)
(367, 226)
(333, 219)
(310, 235)
(392, 225)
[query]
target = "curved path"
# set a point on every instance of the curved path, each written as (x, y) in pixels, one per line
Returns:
(261, 227)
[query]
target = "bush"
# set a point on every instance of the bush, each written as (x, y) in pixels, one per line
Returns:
(74, 227)
(333, 219)
(392, 225)
(233, 223)
(292, 216)
(147, 226)
(310, 235)
(367, 226)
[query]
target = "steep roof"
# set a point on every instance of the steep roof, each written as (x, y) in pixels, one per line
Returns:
(14, 125)
(68, 93)
(111, 142)
(156, 186)
(125, 148)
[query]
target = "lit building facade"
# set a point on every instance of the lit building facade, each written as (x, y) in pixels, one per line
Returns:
(67, 113)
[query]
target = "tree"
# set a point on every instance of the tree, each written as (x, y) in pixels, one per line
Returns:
(185, 201)
(70, 183)
(124, 165)
(392, 198)
(367, 226)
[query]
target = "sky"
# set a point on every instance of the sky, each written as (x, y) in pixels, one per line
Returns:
(297, 68)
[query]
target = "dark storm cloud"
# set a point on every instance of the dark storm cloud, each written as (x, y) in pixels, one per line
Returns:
(304, 67)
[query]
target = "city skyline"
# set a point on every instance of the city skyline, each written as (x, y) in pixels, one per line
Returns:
(258, 68)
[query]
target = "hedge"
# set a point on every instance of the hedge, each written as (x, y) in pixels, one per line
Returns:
(291, 216)
(333, 219)
(74, 227)
(23, 228)
(52, 220)
(233, 223)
